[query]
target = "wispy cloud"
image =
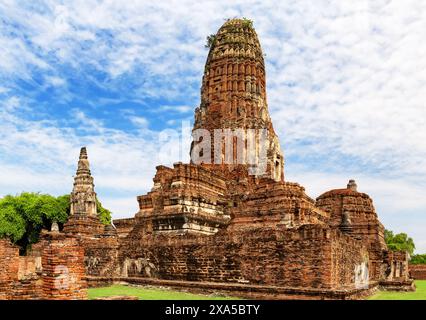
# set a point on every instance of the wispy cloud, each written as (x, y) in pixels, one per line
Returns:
(139, 121)
(55, 81)
(177, 109)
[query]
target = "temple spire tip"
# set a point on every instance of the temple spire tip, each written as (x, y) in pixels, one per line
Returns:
(83, 153)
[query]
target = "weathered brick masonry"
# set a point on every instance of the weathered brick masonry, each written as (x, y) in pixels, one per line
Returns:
(63, 275)
(9, 267)
(309, 256)
(53, 270)
(124, 226)
(418, 271)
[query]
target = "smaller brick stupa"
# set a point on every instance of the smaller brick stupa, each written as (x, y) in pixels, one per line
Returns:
(83, 218)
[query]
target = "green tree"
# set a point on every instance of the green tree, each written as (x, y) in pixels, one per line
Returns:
(418, 259)
(247, 23)
(12, 224)
(64, 204)
(388, 236)
(104, 214)
(22, 217)
(399, 242)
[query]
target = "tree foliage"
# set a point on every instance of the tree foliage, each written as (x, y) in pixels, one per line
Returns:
(22, 217)
(399, 242)
(247, 22)
(12, 225)
(418, 259)
(210, 41)
(104, 214)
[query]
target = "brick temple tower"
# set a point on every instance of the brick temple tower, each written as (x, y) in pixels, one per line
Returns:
(83, 195)
(83, 212)
(233, 96)
(204, 197)
(354, 213)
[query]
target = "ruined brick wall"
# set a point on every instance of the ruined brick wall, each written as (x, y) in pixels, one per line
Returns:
(29, 265)
(81, 224)
(266, 202)
(9, 267)
(417, 271)
(99, 243)
(63, 268)
(29, 283)
(100, 256)
(124, 226)
(395, 266)
(350, 261)
(19, 275)
(54, 269)
(301, 257)
(26, 289)
(396, 273)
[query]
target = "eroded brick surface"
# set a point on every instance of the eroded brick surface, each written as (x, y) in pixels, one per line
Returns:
(63, 268)
(418, 271)
(55, 270)
(309, 256)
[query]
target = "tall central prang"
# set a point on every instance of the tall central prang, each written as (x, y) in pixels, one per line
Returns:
(233, 98)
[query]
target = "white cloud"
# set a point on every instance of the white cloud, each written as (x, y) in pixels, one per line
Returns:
(86, 123)
(3, 90)
(11, 103)
(124, 207)
(11, 64)
(139, 121)
(55, 81)
(178, 109)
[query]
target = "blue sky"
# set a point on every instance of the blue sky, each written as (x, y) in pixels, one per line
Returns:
(346, 88)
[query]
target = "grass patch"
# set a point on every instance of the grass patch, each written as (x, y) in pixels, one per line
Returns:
(419, 294)
(152, 293)
(149, 293)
